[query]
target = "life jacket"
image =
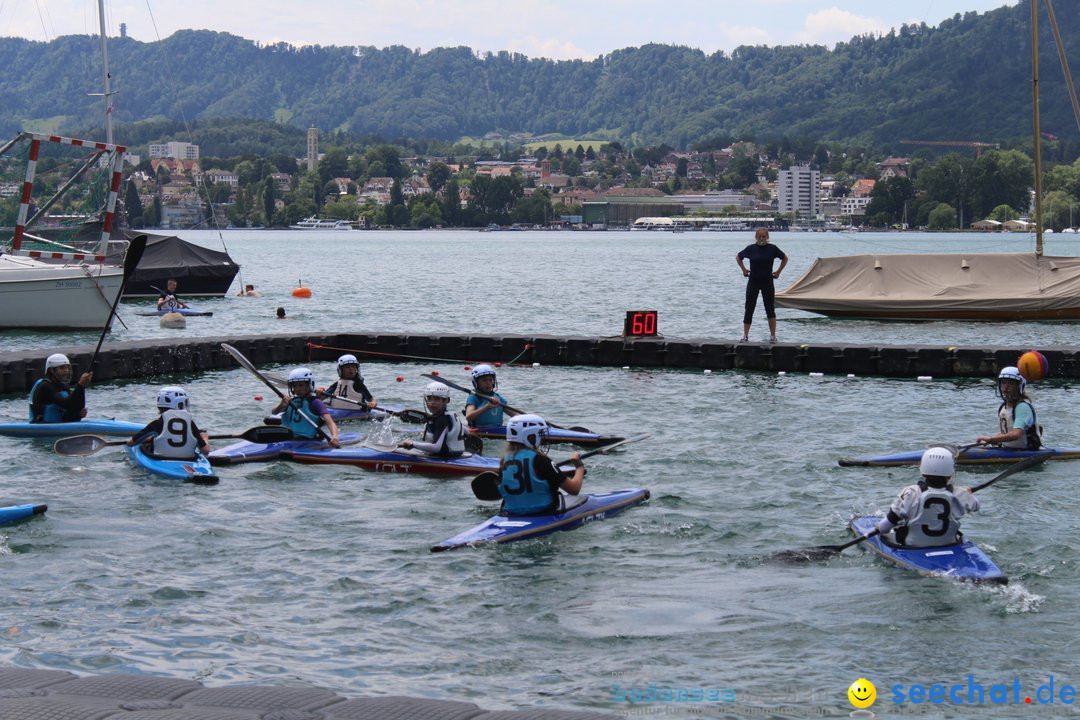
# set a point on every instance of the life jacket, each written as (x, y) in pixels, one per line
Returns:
(1032, 438)
(523, 493)
(293, 416)
(51, 413)
(171, 304)
(457, 431)
(354, 391)
(177, 438)
(936, 521)
(492, 417)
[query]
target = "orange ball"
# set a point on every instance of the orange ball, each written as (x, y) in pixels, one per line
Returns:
(258, 397)
(301, 292)
(400, 378)
(1033, 365)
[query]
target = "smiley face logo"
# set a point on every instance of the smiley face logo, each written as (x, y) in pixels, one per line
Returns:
(862, 693)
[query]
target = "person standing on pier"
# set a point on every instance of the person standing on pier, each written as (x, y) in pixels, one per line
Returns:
(760, 276)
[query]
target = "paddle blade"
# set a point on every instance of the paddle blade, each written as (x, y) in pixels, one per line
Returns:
(134, 254)
(485, 486)
(474, 445)
(265, 434)
(806, 555)
(82, 445)
(413, 417)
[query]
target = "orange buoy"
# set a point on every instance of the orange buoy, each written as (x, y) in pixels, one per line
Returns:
(301, 292)
(1033, 365)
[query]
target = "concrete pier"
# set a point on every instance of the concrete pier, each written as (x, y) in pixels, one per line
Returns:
(150, 358)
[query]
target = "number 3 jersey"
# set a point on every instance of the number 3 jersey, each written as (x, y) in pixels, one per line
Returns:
(931, 516)
(175, 435)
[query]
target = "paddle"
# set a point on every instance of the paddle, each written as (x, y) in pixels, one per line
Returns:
(131, 260)
(823, 552)
(511, 408)
(485, 486)
(413, 417)
(246, 364)
(78, 445)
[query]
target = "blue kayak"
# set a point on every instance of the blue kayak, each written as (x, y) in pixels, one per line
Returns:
(244, 451)
(395, 460)
(506, 528)
(963, 561)
(187, 312)
(115, 428)
(983, 455)
(196, 471)
(14, 513)
(555, 435)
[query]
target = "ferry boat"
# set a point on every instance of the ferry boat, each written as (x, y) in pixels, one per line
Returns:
(314, 223)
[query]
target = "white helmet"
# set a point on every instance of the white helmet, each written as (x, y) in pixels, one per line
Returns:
(939, 462)
(528, 430)
(56, 360)
(480, 371)
(1012, 373)
(436, 389)
(172, 397)
(300, 375)
(349, 360)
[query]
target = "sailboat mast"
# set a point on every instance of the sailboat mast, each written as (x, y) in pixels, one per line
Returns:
(1035, 109)
(105, 67)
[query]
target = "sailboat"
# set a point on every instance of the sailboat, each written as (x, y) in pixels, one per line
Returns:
(976, 286)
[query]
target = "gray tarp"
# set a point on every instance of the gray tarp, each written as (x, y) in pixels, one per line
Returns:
(976, 286)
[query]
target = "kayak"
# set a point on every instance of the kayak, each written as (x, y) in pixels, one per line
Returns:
(196, 471)
(555, 435)
(506, 528)
(187, 312)
(14, 513)
(395, 461)
(970, 456)
(244, 451)
(116, 428)
(962, 561)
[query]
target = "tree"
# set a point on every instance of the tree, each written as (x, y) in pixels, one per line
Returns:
(438, 175)
(334, 164)
(888, 200)
(942, 217)
(133, 205)
(268, 201)
(681, 167)
(1002, 213)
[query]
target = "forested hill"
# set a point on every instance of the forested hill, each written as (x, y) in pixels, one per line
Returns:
(969, 78)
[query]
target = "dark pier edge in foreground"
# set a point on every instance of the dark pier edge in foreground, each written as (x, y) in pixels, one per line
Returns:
(59, 695)
(149, 358)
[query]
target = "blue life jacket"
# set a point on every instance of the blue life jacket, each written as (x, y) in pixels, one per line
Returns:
(51, 413)
(523, 493)
(293, 416)
(491, 416)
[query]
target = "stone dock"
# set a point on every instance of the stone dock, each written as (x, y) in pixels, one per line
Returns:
(151, 358)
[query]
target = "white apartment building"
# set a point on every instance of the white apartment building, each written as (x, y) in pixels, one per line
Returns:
(178, 150)
(797, 191)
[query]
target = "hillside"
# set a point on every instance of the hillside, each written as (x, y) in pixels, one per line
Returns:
(968, 78)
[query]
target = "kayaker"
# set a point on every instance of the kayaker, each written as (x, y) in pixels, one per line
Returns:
(760, 276)
(927, 514)
(173, 433)
(485, 411)
(301, 403)
(168, 300)
(52, 399)
(445, 432)
(529, 482)
(350, 386)
(1016, 415)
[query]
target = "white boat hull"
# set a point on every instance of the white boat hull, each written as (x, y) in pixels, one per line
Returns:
(40, 296)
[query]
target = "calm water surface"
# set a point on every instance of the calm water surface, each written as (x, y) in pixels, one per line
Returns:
(322, 576)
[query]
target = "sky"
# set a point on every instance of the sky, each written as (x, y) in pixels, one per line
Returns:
(557, 29)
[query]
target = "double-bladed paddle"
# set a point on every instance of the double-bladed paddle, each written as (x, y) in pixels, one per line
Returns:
(485, 486)
(246, 364)
(413, 417)
(823, 552)
(511, 408)
(78, 445)
(132, 257)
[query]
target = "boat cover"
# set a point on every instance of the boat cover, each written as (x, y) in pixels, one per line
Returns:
(975, 286)
(198, 270)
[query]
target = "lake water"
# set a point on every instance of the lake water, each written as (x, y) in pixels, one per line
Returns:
(321, 575)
